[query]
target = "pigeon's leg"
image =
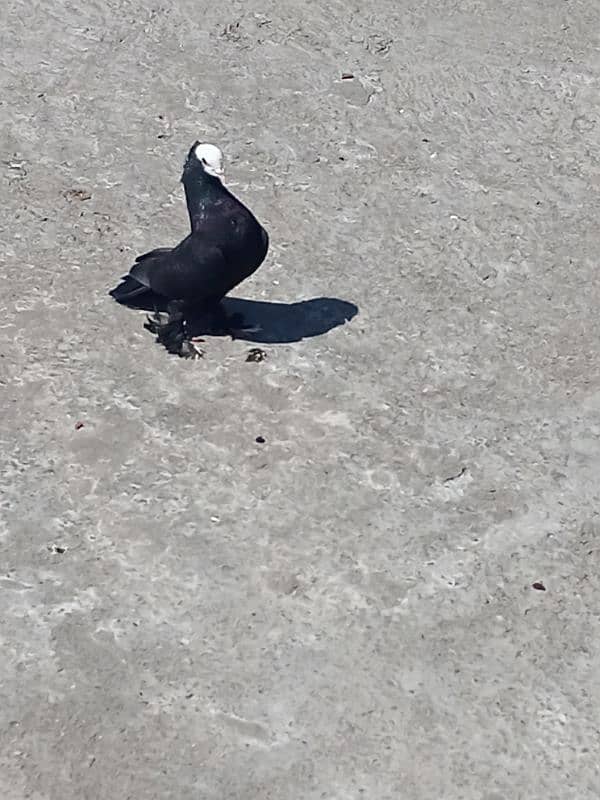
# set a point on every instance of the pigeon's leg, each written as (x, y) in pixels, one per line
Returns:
(172, 333)
(154, 322)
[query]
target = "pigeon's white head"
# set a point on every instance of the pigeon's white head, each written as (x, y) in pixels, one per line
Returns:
(211, 159)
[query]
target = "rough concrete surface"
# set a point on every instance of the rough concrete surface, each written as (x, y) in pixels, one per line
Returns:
(346, 610)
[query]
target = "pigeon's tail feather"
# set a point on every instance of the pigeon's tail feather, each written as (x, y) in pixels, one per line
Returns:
(129, 289)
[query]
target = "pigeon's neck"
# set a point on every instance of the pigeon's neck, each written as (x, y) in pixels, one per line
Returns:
(201, 190)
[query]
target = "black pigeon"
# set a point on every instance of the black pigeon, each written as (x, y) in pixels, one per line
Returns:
(226, 245)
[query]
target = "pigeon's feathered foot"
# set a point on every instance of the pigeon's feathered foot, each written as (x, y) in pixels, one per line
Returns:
(171, 333)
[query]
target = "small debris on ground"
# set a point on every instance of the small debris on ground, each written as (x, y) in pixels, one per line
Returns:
(256, 354)
(57, 548)
(18, 170)
(78, 426)
(260, 440)
(458, 475)
(539, 586)
(347, 76)
(77, 194)
(231, 32)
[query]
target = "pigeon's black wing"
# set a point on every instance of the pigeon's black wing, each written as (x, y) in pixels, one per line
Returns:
(193, 271)
(131, 291)
(160, 251)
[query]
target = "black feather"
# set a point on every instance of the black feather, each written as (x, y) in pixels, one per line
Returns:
(128, 289)
(160, 251)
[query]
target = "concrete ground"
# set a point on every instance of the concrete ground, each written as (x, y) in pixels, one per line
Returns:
(348, 609)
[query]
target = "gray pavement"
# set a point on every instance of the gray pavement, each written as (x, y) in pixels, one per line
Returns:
(346, 610)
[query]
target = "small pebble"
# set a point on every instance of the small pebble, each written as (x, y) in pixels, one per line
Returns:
(256, 355)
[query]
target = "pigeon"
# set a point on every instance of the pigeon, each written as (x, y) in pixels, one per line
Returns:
(226, 245)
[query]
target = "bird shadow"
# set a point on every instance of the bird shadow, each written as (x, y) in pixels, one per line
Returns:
(270, 322)
(283, 323)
